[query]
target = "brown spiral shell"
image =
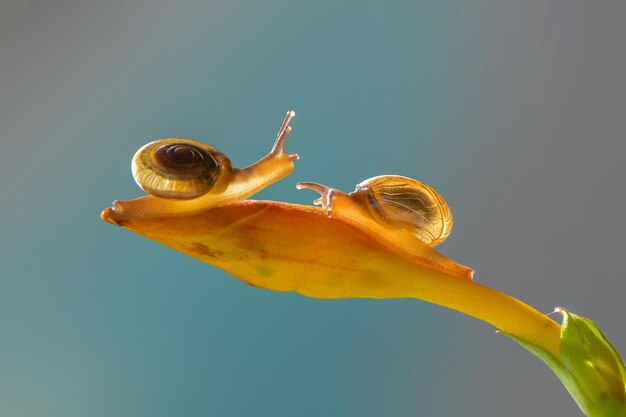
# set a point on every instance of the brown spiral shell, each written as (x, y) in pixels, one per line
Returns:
(177, 168)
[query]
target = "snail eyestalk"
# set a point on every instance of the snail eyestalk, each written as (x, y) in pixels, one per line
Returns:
(326, 195)
(283, 132)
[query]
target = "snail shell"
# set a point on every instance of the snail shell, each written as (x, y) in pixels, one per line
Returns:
(398, 202)
(177, 168)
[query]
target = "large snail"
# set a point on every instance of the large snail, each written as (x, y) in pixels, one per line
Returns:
(183, 177)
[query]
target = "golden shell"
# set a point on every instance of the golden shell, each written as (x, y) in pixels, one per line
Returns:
(177, 168)
(398, 202)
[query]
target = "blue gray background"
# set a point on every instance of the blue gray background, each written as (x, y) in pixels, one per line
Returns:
(515, 111)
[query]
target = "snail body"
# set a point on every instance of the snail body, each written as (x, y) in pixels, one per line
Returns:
(406, 214)
(183, 177)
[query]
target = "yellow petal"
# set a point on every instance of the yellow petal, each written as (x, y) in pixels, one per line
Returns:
(288, 247)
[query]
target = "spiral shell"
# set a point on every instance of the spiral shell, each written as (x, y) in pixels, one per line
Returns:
(177, 168)
(399, 202)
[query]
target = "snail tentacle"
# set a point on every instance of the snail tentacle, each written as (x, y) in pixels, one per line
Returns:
(281, 137)
(326, 195)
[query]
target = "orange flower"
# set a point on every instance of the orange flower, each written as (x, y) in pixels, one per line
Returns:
(314, 251)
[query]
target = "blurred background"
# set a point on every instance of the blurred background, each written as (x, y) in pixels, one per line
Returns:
(514, 111)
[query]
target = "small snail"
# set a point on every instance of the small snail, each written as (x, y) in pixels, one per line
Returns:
(405, 213)
(184, 177)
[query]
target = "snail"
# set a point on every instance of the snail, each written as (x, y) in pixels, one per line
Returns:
(397, 202)
(184, 177)
(405, 213)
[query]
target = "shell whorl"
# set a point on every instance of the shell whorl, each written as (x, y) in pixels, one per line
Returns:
(177, 168)
(402, 202)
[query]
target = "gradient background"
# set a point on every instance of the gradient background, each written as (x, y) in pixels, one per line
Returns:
(515, 111)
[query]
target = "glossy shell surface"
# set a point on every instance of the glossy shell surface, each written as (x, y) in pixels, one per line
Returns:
(176, 168)
(400, 202)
